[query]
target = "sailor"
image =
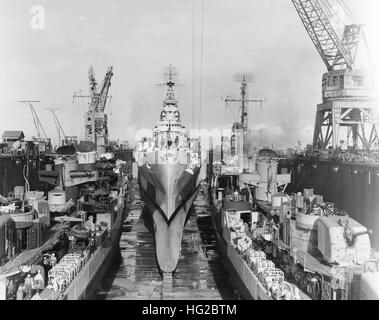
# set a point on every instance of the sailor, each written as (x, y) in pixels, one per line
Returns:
(20, 293)
(53, 260)
(28, 284)
(45, 260)
(39, 282)
(90, 224)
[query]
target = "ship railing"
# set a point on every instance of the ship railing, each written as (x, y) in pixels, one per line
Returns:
(62, 279)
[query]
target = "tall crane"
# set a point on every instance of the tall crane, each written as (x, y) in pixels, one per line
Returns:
(99, 97)
(347, 91)
(336, 50)
(96, 128)
(37, 122)
(58, 126)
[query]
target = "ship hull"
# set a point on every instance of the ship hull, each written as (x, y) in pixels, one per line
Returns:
(168, 191)
(87, 281)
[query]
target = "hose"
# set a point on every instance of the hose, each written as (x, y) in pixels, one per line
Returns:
(27, 185)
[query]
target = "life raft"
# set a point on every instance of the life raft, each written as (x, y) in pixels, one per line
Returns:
(80, 232)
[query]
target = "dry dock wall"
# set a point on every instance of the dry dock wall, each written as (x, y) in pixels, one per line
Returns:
(353, 187)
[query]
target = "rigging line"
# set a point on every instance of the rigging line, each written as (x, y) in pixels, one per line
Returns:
(78, 113)
(193, 64)
(348, 12)
(74, 120)
(371, 61)
(334, 19)
(201, 59)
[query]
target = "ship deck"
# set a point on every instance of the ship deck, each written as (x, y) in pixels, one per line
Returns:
(310, 261)
(28, 257)
(199, 276)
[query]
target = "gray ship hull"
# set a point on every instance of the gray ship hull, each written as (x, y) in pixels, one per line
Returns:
(168, 191)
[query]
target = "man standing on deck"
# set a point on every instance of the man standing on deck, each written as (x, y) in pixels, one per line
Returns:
(28, 286)
(39, 281)
(90, 224)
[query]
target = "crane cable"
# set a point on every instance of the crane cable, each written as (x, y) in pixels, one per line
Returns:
(193, 64)
(348, 12)
(201, 60)
(332, 17)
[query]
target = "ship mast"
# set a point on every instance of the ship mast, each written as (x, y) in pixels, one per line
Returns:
(170, 104)
(244, 78)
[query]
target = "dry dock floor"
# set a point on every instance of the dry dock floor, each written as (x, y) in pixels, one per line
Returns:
(200, 273)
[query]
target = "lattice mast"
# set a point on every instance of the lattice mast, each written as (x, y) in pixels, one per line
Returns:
(244, 78)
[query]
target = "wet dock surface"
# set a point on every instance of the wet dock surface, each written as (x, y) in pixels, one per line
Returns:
(135, 275)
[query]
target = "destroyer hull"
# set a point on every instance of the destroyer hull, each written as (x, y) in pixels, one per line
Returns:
(168, 191)
(85, 285)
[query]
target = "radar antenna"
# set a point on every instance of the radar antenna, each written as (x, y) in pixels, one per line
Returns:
(244, 78)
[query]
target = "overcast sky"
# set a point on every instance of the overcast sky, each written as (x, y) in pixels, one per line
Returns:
(140, 38)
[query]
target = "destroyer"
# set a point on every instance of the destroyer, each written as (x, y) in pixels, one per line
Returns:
(168, 171)
(45, 260)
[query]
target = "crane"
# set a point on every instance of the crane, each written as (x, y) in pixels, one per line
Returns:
(96, 121)
(348, 104)
(99, 97)
(337, 48)
(37, 122)
(58, 126)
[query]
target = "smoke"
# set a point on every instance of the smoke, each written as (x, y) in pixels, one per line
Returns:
(277, 135)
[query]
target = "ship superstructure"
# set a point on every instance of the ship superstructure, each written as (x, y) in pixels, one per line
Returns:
(168, 171)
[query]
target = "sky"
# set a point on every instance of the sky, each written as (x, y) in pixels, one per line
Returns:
(140, 38)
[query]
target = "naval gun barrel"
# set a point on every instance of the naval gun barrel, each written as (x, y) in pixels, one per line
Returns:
(351, 236)
(361, 233)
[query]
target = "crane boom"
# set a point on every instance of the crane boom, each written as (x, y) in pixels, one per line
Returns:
(105, 88)
(36, 120)
(99, 97)
(96, 128)
(334, 48)
(58, 125)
